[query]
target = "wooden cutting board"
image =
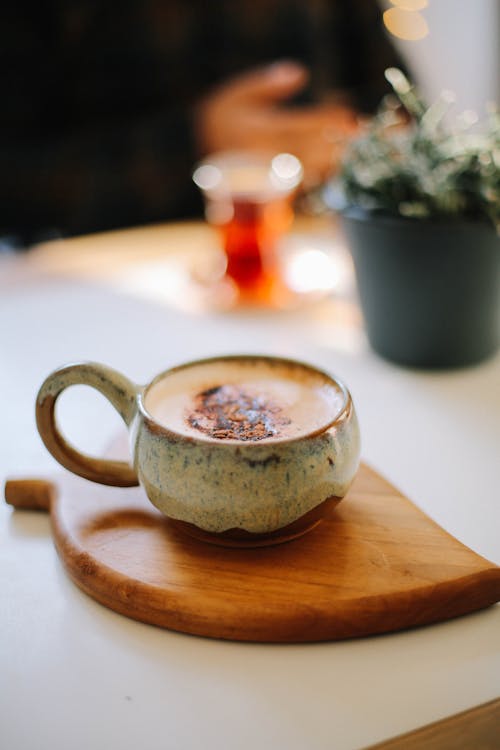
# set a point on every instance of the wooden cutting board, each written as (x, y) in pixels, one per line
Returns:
(375, 564)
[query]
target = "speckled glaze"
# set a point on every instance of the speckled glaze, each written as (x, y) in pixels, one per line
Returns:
(214, 485)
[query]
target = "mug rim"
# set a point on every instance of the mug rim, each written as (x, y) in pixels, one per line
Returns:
(342, 413)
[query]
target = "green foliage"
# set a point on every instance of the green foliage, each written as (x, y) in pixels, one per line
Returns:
(424, 169)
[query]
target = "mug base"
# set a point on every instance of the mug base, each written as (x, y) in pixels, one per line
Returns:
(243, 539)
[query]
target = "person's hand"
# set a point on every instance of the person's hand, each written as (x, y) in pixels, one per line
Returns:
(248, 112)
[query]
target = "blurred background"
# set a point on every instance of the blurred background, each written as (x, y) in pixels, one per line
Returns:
(454, 44)
(105, 113)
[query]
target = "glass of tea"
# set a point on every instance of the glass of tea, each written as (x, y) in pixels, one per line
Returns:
(249, 198)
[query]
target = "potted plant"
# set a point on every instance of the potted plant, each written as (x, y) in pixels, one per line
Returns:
(421, 214)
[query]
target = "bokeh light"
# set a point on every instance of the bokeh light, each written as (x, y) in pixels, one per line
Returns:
(207, 177)
(405, 24)
(410, 4)
(286, 170)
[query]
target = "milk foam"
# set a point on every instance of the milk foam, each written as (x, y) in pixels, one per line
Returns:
(297, 400)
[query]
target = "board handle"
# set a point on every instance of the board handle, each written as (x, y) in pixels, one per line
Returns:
(30, 494)
(117, 389)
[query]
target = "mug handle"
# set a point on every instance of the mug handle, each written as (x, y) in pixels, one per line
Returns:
(120, 391)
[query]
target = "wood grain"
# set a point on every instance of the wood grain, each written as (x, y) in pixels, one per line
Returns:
(475, 729)
(375, 564)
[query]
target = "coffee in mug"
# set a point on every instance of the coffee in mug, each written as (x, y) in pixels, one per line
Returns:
(259, 400)
(235, 450)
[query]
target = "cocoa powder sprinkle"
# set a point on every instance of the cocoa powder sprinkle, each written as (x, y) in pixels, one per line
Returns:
(229, 412)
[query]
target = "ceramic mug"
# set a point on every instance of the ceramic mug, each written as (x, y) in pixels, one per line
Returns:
(267, 475)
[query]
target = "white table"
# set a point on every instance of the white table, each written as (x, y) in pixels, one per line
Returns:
(74, 674)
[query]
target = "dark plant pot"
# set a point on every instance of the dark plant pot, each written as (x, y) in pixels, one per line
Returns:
(429, 290)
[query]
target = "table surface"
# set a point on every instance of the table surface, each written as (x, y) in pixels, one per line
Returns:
(75, 674)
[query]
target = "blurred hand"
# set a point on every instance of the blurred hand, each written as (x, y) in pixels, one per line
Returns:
(247, 112)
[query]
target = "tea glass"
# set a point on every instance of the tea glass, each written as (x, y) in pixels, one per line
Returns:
(249, 199)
